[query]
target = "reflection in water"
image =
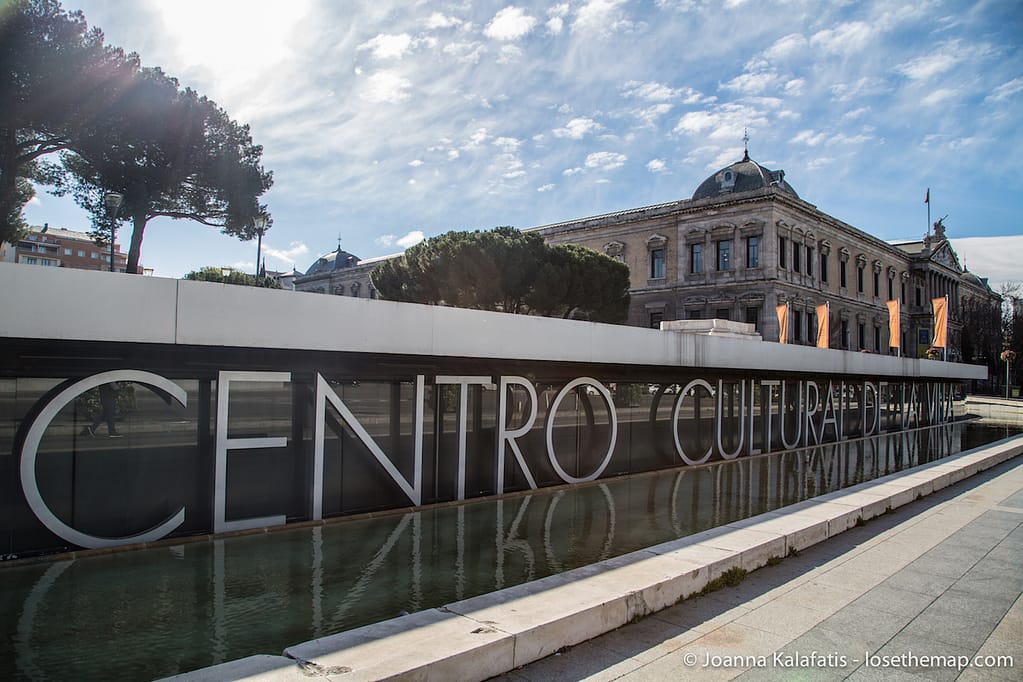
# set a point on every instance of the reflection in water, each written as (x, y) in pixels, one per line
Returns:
(152, 613)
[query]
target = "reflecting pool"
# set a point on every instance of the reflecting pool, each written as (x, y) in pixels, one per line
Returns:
(156, 612)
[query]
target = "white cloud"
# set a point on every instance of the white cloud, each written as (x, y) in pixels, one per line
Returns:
(438, 20)
(653, 92)
(924, 68)
(405, 241)
(862, 87)
(938, 96)
(577, 128)
(511, 23)
(555, 25)
(786, 47)
(605, 161)
(752, 83)
(600, 16)
(386, 46)
(386, 87)
(809, 138)
(415, 163)
(289, 255)
(545, 188)
(411, 239)
(725, 122)
(1005, 90)
(847, 38)
(507, 144)
(656, 166)
(818, 163)
(509, 54)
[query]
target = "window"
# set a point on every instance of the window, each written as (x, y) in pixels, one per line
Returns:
(30, 260)
(903, 287)
(67, 252)
(721, 313)
(809, 261)
(919, 296)
(877, 338)
(859, 279)
(843, 280)
(797, 324)
(824, 268)
(81, 254)
(656, 263)
(93, 255)
(695, 314)
(796, 263)
(782, 246)
(877, 284)
(656, 318)
(753, 252)
(753, 316)
(696, 258)
(891, 288)
(862, 335)
(725, 255)
(845, 334)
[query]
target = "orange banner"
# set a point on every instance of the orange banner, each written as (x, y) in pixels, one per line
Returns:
(940, 306)
(783, 323)
(823, 325)
(894, 331)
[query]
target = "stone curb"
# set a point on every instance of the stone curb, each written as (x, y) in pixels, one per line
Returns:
(491, 634)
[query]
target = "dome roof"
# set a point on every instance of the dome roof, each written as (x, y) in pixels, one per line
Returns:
(335, 260)
(742, 176)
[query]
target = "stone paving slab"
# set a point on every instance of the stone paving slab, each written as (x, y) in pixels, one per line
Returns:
(943, 578)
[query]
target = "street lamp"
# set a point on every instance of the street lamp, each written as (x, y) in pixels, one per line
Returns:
(260, 224)
(113, 201)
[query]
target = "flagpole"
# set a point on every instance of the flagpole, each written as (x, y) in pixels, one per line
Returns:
(927, 200)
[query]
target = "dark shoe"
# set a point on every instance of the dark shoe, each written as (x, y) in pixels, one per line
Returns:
(115, 434)
(88, 431)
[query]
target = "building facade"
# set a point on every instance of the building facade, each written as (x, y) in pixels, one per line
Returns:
(57, 247)
(743, 244)
(746, 242)
(339, 273)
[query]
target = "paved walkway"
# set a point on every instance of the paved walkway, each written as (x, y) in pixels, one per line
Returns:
(941, 577)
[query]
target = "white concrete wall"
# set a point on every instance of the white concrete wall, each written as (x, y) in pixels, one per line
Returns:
(52, 303)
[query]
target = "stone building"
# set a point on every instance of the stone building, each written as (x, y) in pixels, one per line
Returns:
(339, 273)
(746, 242)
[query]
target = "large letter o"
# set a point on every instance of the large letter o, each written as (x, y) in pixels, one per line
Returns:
(31, 447)
(570, 386)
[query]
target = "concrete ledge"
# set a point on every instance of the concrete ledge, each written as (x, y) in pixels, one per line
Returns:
(493, 633)
(1000, 409)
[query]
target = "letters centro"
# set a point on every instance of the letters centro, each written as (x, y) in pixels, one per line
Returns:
(811, 399)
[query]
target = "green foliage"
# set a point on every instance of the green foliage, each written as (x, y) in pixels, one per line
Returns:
(53, 80)
(507, 270)
(119, 128)
(212, 274)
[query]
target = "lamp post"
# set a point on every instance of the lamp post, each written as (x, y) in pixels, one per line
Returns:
(260, 224)
(113, 201)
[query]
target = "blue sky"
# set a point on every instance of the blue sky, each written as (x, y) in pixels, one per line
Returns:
(387, 121)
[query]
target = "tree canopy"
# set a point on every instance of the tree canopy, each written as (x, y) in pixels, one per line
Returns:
(119, 127)
(507, 270)
(212, 274)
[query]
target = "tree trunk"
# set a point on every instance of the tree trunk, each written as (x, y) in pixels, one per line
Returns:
(135, 250)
